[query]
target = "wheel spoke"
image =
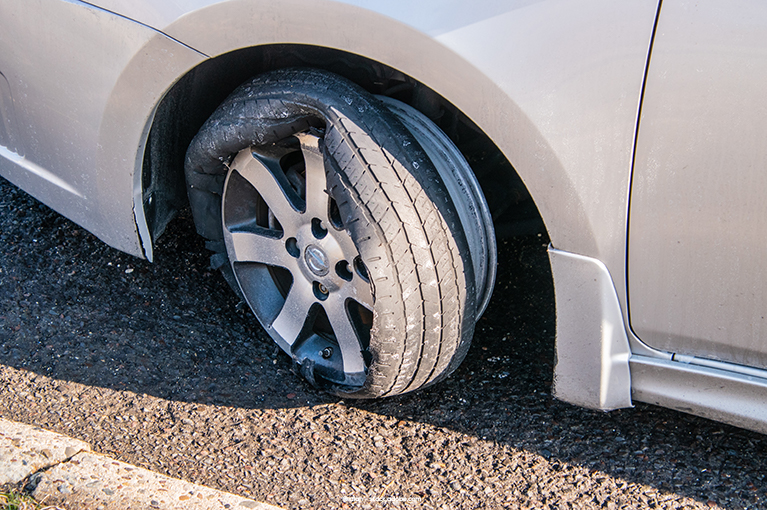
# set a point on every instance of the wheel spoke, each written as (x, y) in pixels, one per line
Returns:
(274, 188)
(292, 317)
(250, 247)
(316, 183)
(359, 290)
(346, 336)
(347, 245)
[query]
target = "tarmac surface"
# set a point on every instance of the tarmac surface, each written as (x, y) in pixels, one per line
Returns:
(159, 366)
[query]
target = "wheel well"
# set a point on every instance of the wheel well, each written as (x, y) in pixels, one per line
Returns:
(187, 105)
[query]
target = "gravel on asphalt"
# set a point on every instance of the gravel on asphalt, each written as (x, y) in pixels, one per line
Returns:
(160, 366)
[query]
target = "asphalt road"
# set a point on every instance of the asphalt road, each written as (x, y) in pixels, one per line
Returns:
(158, 365)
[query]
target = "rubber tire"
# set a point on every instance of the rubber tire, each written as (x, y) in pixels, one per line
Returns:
(393, 204)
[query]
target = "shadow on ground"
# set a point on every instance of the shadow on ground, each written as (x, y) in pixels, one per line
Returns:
(75, 310)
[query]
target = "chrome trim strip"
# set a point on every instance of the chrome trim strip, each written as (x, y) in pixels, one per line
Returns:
(721, 365)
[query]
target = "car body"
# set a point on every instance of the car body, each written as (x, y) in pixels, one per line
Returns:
(636, 128)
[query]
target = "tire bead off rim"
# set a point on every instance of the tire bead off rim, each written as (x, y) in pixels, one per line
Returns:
(387, 204)
(314, 283)
(464, 190)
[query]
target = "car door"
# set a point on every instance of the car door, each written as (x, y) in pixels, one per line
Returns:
(697, 251)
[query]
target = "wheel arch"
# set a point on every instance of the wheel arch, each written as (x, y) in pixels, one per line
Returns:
(511, 185)
(427, 43)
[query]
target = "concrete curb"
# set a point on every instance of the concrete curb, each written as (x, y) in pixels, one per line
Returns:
(25, 450)
(68, 474)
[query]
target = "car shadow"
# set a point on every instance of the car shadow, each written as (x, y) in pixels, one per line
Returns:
(76, 310)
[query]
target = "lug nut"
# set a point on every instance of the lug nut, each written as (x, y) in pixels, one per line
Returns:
(320, 291)
(327, 352)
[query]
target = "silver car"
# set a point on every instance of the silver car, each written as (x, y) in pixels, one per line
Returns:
(350, 164)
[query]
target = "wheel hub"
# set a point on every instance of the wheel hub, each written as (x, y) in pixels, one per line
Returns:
(316, 260)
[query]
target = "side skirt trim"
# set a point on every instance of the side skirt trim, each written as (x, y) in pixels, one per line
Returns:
(721, 395)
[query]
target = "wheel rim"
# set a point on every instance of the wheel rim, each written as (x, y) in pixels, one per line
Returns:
(296, 265)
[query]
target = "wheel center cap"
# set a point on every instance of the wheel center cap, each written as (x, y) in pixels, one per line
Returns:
(316, 260)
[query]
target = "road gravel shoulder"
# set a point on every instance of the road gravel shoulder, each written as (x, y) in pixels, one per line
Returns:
(64, 471)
